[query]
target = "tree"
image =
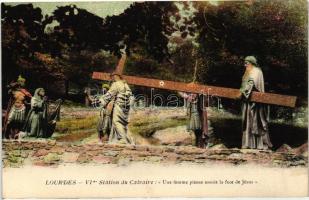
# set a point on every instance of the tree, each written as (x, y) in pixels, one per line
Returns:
(146, 25)
(68, 51)
(274, 31)
(25, 48)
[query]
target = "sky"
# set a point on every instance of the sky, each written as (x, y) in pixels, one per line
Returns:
(101, 9)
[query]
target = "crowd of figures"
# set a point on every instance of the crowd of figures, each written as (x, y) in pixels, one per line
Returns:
(27, 115)
(115, 106)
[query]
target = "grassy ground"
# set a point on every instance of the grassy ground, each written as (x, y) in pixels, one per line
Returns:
(69, 125)
(79, 125)
(147, 126)
(76, 130)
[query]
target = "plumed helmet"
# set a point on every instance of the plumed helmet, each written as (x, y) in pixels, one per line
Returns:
(21, 79)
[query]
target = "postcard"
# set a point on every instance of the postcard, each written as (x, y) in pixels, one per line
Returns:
(110, 99)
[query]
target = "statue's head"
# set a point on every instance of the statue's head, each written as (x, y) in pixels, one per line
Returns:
(105, 86)
(250, 60)
(39, 92)
(42, 92)
(116, 76)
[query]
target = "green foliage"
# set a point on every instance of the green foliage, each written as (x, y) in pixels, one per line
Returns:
(274, 31)
(80, 42)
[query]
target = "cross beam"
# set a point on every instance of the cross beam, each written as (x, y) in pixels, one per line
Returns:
(260, 97)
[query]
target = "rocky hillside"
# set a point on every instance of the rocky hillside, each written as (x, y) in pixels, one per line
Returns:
(52, 153)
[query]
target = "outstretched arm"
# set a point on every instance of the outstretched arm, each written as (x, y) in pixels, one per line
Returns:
(183, 95)
(106, 98)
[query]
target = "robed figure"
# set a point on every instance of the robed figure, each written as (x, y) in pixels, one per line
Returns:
(36, 122)
(105, 119)
(198, 121)
(122, 95)
(41, 119)
(255, 116)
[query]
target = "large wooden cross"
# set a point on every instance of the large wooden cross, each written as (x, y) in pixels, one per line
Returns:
(260, 97)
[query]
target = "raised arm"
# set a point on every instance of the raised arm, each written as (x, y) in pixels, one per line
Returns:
(183, 95)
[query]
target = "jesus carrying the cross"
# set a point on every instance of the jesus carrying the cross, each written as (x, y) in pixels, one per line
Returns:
(121, 95)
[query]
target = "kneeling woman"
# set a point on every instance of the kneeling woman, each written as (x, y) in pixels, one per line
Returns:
(36, 121)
